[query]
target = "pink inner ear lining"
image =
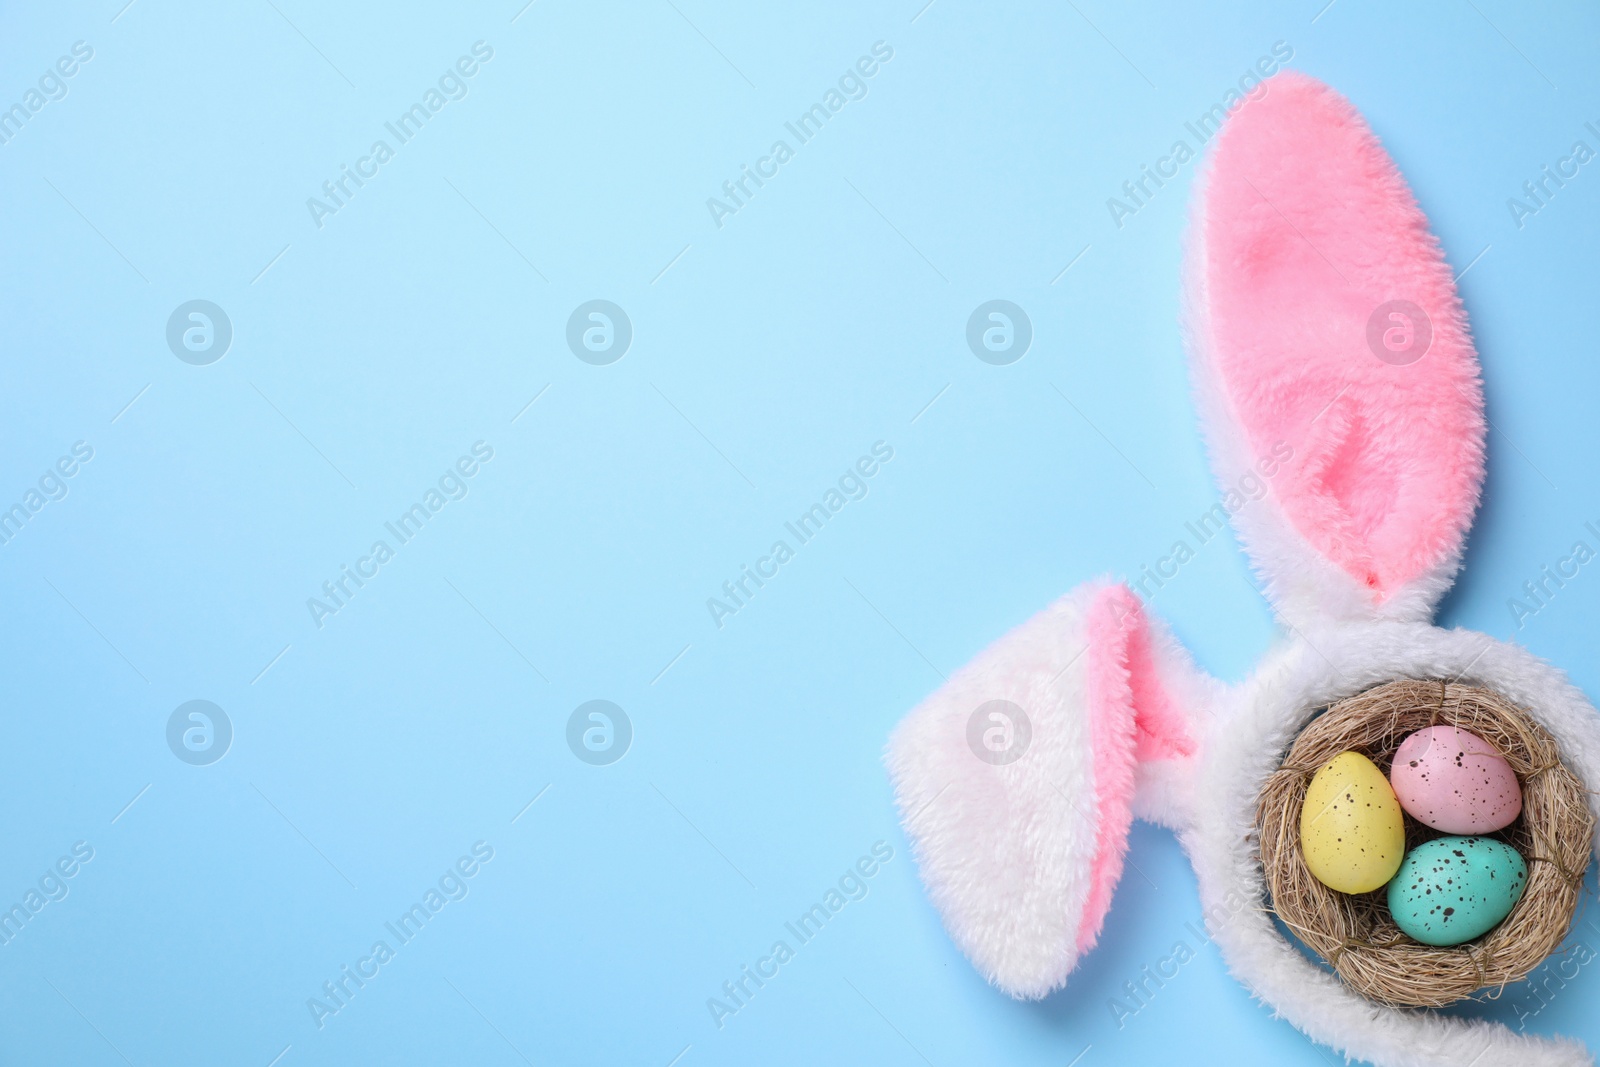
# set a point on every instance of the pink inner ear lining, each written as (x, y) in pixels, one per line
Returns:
(1309, 231)
(1161, 731)
(1132, 718)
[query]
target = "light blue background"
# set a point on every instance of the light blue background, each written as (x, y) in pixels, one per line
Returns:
(766, 358)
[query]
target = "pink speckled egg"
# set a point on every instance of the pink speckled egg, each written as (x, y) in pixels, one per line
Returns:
(1455, 781)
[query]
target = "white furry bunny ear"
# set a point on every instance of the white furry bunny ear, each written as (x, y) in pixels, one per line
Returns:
(1017, 780)
(1332, 360)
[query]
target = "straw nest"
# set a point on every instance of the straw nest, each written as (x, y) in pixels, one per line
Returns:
(1355, 933)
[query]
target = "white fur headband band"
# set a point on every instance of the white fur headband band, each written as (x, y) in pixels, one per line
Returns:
(1330, 356)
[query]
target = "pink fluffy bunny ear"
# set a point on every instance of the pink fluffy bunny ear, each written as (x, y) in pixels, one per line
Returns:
(1017, 780)
(1332, 360)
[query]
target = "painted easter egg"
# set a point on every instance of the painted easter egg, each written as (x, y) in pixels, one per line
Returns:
(1454, 889)
(1455, 781)
(1351, 831)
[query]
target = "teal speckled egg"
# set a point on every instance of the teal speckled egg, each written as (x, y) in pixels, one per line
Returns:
(1454, 889)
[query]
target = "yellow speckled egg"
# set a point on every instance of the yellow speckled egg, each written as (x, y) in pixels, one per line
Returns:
(1351, 831)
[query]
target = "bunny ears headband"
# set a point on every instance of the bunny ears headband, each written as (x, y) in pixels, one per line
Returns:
(1331, 359)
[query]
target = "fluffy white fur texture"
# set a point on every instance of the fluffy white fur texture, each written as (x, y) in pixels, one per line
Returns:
(1009, 853)
(1006, 851)
(1165, 789)
(1257, 722)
